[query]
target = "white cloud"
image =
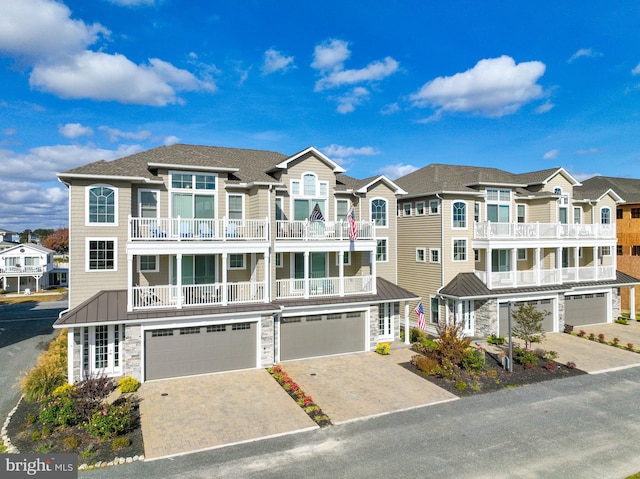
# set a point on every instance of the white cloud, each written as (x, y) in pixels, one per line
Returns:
(551, 154)
(397, 170)
(545, 107)
(43, 30)
(348, 102)
(493, 87)
(9, 131)
(584, 52)
(132, 3)
(170, 140)
(74, 130)
(589, 151)
(274, 61)
(116, 134)
(42, 33)
(390, 109)
(636, 70)
(377, 70)
(330, 55)
(34, 205)
(105, 77)
(338, 151)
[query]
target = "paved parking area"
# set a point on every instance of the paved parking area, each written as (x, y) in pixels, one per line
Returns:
(363, 385)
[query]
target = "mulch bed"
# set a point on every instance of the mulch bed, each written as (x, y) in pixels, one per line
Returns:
(90, 449)
(481, 383)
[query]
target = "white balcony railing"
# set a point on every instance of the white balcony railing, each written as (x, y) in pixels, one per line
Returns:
(323, 230)
(22, 269)
(292, 288)
(200, 229)
(166, 296)
(543, 277)
(490, 230)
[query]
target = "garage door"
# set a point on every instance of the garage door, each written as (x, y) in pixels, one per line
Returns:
(583, 309)
(321, 335)
(198, 350)
(545, 305)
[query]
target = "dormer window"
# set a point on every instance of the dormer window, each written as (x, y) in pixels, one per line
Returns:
(307, 192)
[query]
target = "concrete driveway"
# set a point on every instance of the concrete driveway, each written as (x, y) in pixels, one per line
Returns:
(593, 357)
(363, 385)
(190, 414)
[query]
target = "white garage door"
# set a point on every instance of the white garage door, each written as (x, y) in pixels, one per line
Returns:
(583, 309)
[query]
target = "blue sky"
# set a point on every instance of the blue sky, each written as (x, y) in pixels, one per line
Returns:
(380, 87)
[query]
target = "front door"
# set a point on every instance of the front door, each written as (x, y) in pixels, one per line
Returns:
(465, 310)
(104, 350)
(385, 321)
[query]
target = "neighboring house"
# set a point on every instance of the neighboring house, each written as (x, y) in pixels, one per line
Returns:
(8, 237)
(193, 259)
(475, 241)
(25, 267)
(627, 228)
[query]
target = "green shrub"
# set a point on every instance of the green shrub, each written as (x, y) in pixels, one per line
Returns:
(527, 358)
(497, 340)
(492, 373)
(451, 344)
(128, 384)
(416, 335)
(120, 443)
(622, 320)
(383, 348)
(35, 436)
(49, 372)
(31, 418)
(70, 443)
(473, 360)
(460, 385)
(65, 390)
(57, 411)
(549, 355)
(616, 341)
(426, 364)
(110, 420)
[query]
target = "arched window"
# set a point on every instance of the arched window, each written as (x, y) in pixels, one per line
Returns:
(605, 216)
(459, 214)
(102, 205)
(379, 211)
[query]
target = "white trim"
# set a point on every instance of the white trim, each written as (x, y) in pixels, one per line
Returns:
(340, 254)
(424, 255)
(116, 213)
(387, 219)
(237, 268)
(242, 197)
(87, 240)
(149, 190)
(466, 215)
(157, 268)
(438, 207)
(386, 240)
(466, 243)
(404, 211)
(281, 256)
(435, 250)
(424, 208)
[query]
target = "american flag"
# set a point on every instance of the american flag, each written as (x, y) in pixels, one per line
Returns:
(420, 312)
(353, 232)
(316, 214)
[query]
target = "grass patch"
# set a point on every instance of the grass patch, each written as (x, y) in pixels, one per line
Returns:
(40, 298)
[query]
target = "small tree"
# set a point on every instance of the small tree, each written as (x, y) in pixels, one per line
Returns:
(528, 325)
(58, 241)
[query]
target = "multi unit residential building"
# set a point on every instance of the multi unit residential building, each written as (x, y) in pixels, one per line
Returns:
(474, 242)
(193, 259)
(627, 229)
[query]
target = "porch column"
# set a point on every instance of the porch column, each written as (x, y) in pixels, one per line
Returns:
(487, 266)
(374, 289)
(129, 283)
(225, 289)
(306, 274)
(514, 266)
(536, 266)
(179, 280)
(341, 272)
(267, 276)
(558, 261)
(576, 261)
(632, 302)
(596, 261)
(407, 333)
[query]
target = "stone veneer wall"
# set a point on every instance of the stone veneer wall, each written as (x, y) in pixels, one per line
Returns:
(77, 354)
(486, 317)
(267, 337)
(616, 303)
(561, 314)
(132, 351)
(373, 326)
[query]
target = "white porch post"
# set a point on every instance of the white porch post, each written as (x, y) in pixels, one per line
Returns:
(129, 283)
(341, 272)
(267, 276)
(596, 261)
(536, 266)
(179, 280)
(558, 261)
(70, 348)
(306, 274)
(576, 261)
(487, 266)
(514, 266)
(632, 302)
(225, 289)
(374, 289)
(407, 333)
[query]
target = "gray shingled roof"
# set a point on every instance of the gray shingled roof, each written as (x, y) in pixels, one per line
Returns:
(627, 188)
(468, 285)
(111, 306)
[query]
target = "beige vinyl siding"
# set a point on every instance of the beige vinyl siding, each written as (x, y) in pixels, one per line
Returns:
(387, 270)
(451, 268)
(82, 283)
(542, 211)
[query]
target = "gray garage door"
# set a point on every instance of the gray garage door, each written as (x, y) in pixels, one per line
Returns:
(198, 350)
(583, 309)
(541, 305)
(321, 335)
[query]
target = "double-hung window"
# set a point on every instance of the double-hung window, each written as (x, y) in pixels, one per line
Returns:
(498, 205)
(193, 195)
(235, 207)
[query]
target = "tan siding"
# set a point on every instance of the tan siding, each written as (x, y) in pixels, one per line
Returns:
(451, 268)
(387, 270)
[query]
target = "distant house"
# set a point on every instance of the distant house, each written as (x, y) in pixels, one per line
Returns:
(25, 267)
(8, 238)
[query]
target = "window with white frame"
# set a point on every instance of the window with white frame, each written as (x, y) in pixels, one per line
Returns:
(476, 255)
(605, 251)
(148, 203)
(605, 216)
(498, 205)
(459, 214)
(434, 311)
(522, 254)
(101, 254)
(460, 249)
(306, 193)
(236, 261)
(521, 211)
(148, 264)
(346, 258)
(577, 215)
(379, 212)
(434, 207)
(381, 251)
(235, 207)
(406, 209)
(421, 255)
(193, 195)
(476, 212)
(342, 210)
(102, 205)
(434, 255)
(279, 263)
(419, 208)
(279, 210)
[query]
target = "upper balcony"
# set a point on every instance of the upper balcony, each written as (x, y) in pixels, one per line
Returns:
(197, 229)
(323, 230)
(16, 270)
(546, 277)
(533, 231)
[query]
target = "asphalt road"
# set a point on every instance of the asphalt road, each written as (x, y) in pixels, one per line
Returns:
(582, 427)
